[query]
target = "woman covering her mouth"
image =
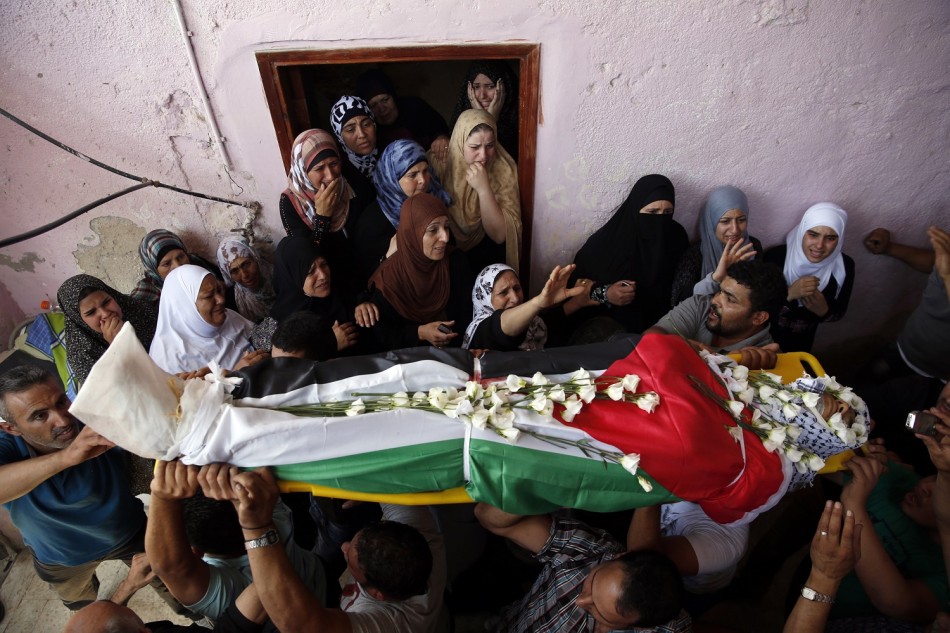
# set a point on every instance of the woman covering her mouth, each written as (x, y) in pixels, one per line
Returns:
(422, 286)
(819, 276)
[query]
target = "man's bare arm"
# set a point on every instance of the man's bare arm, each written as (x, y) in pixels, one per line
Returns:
(530, 532)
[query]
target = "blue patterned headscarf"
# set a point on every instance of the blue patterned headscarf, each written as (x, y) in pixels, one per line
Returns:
(397, 159)
(342, 111)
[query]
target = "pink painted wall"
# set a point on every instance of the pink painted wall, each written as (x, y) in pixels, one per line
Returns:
(795, 101)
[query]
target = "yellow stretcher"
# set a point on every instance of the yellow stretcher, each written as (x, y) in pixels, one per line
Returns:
(789, 366)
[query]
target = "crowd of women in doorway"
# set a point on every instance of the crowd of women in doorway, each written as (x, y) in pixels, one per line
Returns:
(401, 232)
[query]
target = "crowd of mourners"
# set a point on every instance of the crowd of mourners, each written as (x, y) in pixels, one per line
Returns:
(404, 232)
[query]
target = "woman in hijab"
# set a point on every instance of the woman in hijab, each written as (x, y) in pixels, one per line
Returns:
(502, 320)
(161, 252)
(482, 180)
(94, 315)
(421, 293)
(194, 326)
(724, 240)
(319, 203)
(353, 125)
(303, 283)
(819, 276)
(249, 279)
(631, 260)
(402, 172)
(401, 116)
(490, 85)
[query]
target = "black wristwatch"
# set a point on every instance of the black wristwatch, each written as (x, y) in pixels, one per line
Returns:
(599, 294)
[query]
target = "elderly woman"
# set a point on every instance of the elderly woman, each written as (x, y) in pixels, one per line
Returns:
(161, 252)
(353, 125)
(631, 260)
(502, 320)
(490, 85)
(303, 283)
(402, 172)
(724, 240)
(250, 290)
(94, 314)
(819, 276)
(421, 293)
(482, 180)
(194, 326)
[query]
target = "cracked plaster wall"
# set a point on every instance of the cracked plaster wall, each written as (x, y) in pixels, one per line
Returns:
(795, 101)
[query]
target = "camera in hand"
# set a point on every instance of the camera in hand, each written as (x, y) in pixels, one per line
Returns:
(922, 423)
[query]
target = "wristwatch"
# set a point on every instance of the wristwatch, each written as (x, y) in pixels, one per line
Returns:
(268, 538)
(810, 594)
(599, 294)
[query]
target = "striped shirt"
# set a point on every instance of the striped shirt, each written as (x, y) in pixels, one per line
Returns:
(571, 552)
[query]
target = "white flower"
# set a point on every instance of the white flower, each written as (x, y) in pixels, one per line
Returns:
(539, 379)
(793, 431)
(480, 418)
(846, 395)
(630, 462)
(836, 423)
(557, 394)
(849, 437)
(735, 407)
(438, 398)
(831, 384)
(473, 390)
(464, 407)
(356, 407)
(756, 416)
(615, 391)
(548, 410)
(648, 401)
(588, 393)
(501, 417)
(746, 395)
(801, 467)
(815, 463)
(770, 446)
(811, 399)
(511, 434)
(630, 382)
(498, 398)
(736, 433)
(401, 399)
(514, 382)
(740, 372)
(572, 407)
(859, 429)
(777, 435)
(784, 396)
(766, 392)
(774, 378)
(419, 397)
(644, 483)
(790, 410)
(580, 377)
(793, 453)
(452, 393)
(539, 402)
(735, 386)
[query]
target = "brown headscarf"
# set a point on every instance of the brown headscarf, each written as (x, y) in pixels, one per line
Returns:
(464, 213)
(310, 147)
(416, 286)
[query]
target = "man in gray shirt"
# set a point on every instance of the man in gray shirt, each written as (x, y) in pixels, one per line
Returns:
(736, 318)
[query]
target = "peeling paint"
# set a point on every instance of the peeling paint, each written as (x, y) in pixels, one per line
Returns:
(114, 258)
(782, 13)
(23, 265)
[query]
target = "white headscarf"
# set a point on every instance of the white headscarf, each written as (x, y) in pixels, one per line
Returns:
(797, 264)
(537, 333)
(183, 340)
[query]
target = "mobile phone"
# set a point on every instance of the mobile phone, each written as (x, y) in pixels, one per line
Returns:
(444, 328)
(922, 423)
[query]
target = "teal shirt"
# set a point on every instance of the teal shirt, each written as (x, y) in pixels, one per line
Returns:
(79, 514)
(909, 545)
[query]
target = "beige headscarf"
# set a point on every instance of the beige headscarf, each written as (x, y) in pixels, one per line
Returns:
(464, 214)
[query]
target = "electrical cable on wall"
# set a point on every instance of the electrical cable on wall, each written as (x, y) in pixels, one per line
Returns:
(143, 182)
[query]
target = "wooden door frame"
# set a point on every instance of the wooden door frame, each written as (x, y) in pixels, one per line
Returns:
(528, 54)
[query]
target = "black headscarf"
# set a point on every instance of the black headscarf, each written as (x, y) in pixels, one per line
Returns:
(84, 346)
(508, 117)
(641, 247)
(292, 261)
